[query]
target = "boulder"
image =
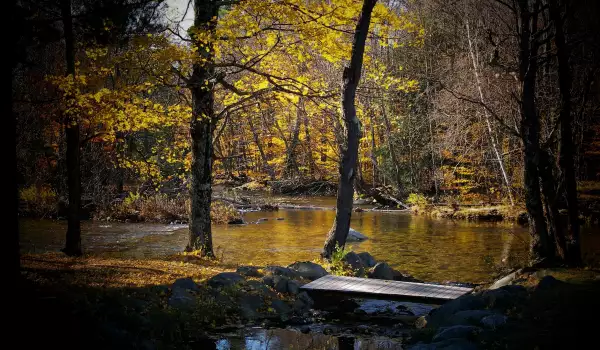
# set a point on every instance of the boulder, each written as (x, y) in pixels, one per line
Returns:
(305, 298)
(367, 259)
(382, 271)
(258, 286)
(236, 221)
(293, 287)
(355, 236)
(225, 279)
(493, 321)
(439, 316)
(351, 259)
(250, 305)
(308, 270)
(185, 283)
(548, 282)
(280, 307)
(249, 271)
(450, 344)
(268, 281)
(460, 331)
(181, 298)
(280, 271)
(504, 297)
(280, 284)
(467, 317)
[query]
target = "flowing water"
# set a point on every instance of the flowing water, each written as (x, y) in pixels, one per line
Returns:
(429, 249)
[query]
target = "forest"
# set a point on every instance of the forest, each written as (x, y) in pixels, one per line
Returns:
(200, 117)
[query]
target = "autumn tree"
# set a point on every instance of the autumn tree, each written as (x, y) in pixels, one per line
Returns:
(350, 80)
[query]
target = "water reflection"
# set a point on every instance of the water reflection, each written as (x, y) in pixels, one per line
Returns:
(430, 249)
(280, 339)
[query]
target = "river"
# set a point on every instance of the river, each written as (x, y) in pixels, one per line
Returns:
(429, 249)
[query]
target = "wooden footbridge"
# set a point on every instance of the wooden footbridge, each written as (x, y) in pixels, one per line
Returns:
(384, 289)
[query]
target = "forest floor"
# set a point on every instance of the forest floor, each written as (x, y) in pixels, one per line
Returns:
(121, 303)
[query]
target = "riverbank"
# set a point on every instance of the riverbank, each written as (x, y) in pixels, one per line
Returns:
(188, 302)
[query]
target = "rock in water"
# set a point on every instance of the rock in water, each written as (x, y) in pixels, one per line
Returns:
(309, 270)
(355, 236)
(367, 259)
(382, 271)
(225, 279)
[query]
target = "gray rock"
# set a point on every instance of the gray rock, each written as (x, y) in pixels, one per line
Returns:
(293, 287)
(280, 284)
(355, 236)
(504, 297)
(225, 279)
(249, 271)
(300, 307)
(259, 287)
(280, 271)
(351, 259)
(493, 321)
(185, 283)
(250, 305)
(181, 298)
(382, 271)
(450, 344)
(309, 270)
(460, 331)
(280, 219)
(467, 317)
(268, 281)
(238, 221)
(548, 282)
(280, 307)
(440, 315)
(306, 299)
(367, 259)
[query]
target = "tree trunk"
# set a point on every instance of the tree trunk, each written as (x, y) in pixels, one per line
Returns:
(73, 240)
(487, 118)
(291, 165)
(202, 127)
(566, 147)
(341, 225)
(261, 151)
(555, 231)
(309, 151)
(530, 131)
(13, 240)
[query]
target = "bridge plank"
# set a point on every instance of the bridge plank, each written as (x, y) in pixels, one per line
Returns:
(384, 288)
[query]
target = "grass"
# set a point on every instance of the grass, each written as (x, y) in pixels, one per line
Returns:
(94, 302)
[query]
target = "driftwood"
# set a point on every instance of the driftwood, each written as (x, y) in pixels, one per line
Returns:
(385, 199)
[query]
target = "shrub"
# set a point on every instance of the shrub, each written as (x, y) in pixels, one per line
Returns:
(39, 201)
(417, 200)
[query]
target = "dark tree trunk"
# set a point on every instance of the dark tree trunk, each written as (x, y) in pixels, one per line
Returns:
(13, 237)
(73, 242)
(550, 196)
(339, 232)
(566, 147)
(202, 127)
(530, 130)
